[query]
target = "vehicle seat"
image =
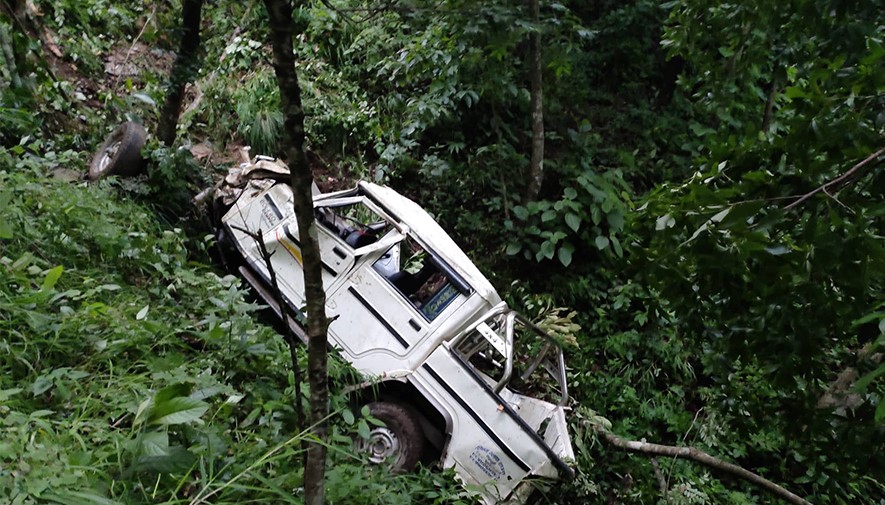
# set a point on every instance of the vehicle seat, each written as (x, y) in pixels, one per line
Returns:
(405, 282)
(360, 238)
(409, 283)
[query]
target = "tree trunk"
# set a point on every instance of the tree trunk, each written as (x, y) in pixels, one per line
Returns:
(280, 14)
(536, 167)
(9, 77)
(187, 63)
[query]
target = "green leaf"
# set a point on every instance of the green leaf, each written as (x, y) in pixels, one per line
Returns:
(573, 221)
(141, 412)
(142, 313)
(41, 385)
(880, 412)
(362, 429)
(777, 250)
(169, 392)
(615, 220)
(741, 214)
(565, 254)
(548, 215)
(155, 443)
(521, 212)
(570, 193)
(719, 216)
(173, 460)
(869, 317)
(86, 497)
(547, 249)
(663, 222)
(6, 394)
(375, 421)
(513, 248)
(794, 92)
(5, 229)
(867, 379)
(601, 242)
(348, 416)
(616, 245)
(52, 278)
(177, 410)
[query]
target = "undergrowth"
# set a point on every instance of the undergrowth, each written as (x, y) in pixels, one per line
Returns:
(131, 371)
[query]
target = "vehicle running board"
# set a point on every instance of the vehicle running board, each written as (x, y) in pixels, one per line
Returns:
(270, 299)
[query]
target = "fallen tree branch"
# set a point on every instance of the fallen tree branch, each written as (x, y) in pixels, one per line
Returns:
(699, 456)
(838, 180)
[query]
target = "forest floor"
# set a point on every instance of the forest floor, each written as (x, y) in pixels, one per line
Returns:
(130, 66)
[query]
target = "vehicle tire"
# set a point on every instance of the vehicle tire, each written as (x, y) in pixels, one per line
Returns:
(120, 154)
(400, 442)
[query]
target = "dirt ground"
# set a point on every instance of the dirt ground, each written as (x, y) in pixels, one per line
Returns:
(130, 62)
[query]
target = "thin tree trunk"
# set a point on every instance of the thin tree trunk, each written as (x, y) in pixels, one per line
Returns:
(280, 14)
(768, 111)
(187, 63)
(9, 77)
(536, 167)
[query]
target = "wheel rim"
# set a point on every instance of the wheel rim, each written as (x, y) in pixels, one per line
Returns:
(381, 445)
(107, 155)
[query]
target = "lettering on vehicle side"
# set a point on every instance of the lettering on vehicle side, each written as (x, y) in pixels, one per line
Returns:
(269, 210)
(488, 461)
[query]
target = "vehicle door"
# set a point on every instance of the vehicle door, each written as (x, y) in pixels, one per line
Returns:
(397, 297)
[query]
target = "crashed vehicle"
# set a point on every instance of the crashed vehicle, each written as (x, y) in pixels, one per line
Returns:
(454, 375)
(451, 370)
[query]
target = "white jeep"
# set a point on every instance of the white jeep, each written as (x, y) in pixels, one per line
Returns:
(456, 376)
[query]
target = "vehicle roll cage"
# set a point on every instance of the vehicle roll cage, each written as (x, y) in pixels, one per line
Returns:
(510, 318)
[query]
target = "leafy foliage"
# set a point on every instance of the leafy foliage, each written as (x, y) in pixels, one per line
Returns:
(703, 302)
(132, 373)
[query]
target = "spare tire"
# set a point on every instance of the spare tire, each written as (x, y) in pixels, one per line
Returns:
(120, 154)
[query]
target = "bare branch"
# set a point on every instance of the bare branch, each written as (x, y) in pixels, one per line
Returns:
(699, 456)
(288, 334)
(838, 180)
(837, 200)
(132, 47)
(684, 438)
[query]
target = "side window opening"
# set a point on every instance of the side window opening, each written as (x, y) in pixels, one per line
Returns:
(417, 276)
(354, 223)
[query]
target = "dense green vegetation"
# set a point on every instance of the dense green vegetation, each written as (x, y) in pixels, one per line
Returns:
(718, 306)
